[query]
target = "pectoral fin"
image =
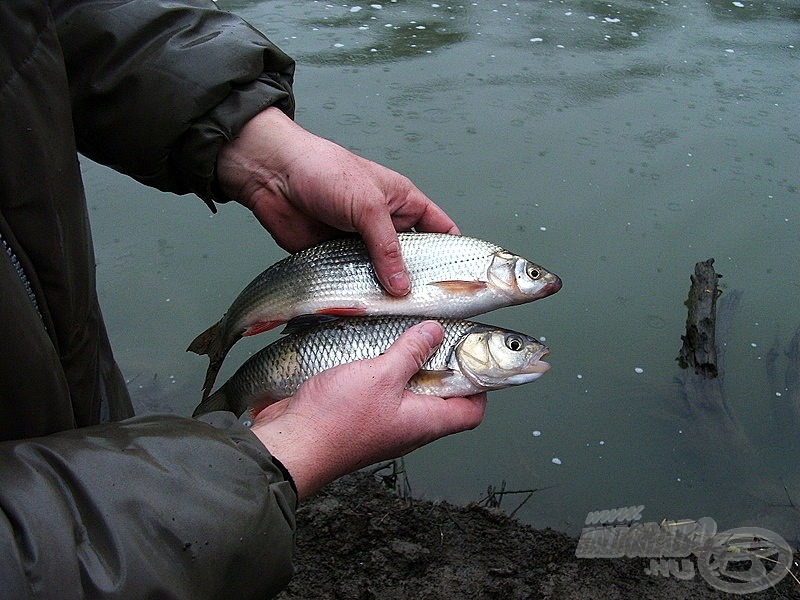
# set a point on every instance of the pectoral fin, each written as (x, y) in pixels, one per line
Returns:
(460, 287)
(303, 322)
(430, 382)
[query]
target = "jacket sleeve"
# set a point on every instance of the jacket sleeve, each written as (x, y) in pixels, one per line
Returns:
(151, 507)
(158, 86)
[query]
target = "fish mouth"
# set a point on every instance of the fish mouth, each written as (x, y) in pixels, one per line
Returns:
(531, 368)
(538, 365)
(551, 287)
(533, 371)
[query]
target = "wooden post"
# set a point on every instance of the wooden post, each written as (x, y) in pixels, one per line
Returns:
(699, 350)
(702, 359)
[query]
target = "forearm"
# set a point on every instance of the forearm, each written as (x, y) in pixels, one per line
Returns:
(158, 506)
(158, 86)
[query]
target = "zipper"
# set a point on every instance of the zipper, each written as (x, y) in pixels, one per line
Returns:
(22, 276)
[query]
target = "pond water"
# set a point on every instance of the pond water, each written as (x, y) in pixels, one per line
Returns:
(616, 143)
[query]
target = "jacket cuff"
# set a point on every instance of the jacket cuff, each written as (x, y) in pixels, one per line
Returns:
(286, 475)
(195, 156)
(248, 443)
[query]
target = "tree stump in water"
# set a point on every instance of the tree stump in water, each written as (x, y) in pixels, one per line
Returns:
(699, 350)
(702, 359)
(712, 433)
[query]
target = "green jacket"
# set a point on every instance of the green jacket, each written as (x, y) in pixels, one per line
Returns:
(163, 507)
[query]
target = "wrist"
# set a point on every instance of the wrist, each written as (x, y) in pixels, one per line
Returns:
(257, 156)
(305, 456)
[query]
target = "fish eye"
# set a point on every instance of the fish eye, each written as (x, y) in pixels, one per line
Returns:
(533, 272)
(514, 343)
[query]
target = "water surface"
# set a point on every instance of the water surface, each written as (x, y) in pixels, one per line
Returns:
(616, 143)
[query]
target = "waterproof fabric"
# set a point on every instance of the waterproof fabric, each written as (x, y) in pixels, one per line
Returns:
(150, 507)
(155, 507)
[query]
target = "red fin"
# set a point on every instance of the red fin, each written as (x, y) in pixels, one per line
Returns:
(460, 287)
(261, 327)
(343, 311)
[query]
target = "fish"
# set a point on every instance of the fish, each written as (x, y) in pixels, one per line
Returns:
(472, 358)
(451, 277)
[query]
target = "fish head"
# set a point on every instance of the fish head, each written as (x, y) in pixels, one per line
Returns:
(497, 358)
(520, 279)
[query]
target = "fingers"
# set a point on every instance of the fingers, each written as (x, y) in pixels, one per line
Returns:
(361, 413)
(378, 227)
(461, 414)
(429, 417)
(434, 219)
(288, 224)
(405, 358)
(384, 250)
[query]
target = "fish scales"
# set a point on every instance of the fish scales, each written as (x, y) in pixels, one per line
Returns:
(340, 273)
(281, 368)
(451, 277)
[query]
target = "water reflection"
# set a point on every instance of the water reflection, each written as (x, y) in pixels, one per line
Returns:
(385, 42)
(371, 33)
(747, 10)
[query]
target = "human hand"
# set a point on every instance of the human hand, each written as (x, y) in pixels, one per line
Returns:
(305, 189)
(360, 413)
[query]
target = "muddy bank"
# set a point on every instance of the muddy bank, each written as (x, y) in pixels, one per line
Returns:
(358, 540)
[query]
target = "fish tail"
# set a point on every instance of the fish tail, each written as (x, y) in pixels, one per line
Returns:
(207, 342)
(217, 401)
(211, 342)
(211, 374)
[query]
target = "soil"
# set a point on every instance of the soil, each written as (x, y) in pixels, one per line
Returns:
(358, 540)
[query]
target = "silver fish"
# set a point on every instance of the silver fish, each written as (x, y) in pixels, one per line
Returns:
(451, 277)
(472, 358)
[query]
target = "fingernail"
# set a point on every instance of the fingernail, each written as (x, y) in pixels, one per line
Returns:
(430, 331)
(399, 283)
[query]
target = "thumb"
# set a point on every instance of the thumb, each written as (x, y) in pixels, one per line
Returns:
(414, 347)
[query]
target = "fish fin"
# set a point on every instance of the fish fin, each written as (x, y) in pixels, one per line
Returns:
(204, 341)
(221, 400)
(261, 327)
(304, 322)
(343, 311)
(460, 287)
(210, 342)
(211, 375)
(428, 378)
(216, 401)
